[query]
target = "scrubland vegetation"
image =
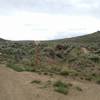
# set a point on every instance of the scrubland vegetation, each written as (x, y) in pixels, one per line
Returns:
(78, 58)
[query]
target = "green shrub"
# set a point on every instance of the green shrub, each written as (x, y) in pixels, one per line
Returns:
(60, 83)
(28, 68)
(61, 87)
(64, 73)
(67, 72)
(94, 57)
(36, 81)
(89, 78)
(19, 68)
(62, 90)
(15, 67)
(98, 81)
(78, 88)
(97, 78)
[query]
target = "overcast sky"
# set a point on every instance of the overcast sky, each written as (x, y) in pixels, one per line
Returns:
(48, 19)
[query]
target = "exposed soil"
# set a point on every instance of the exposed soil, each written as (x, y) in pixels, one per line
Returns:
(16, 86)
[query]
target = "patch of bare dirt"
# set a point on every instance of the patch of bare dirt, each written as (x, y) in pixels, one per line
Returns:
(17, 86)
(85, 51)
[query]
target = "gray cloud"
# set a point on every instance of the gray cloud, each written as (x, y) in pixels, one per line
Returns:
(69, 7)
(51, 6)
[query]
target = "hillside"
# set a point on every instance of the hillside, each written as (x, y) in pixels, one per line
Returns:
(94, 37)
(78, 57)
(90, 38)
(57, 69)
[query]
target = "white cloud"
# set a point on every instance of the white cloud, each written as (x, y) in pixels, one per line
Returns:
(43, 26)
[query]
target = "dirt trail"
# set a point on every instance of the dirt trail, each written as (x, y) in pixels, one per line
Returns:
(16, 86)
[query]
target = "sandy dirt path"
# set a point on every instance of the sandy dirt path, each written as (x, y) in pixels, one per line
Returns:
(16, 86)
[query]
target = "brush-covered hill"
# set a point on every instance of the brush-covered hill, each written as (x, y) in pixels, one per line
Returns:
(93, 37)
(77, 57)
(90, 38)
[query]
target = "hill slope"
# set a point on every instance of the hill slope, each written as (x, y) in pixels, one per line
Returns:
(59, 69)
(77, 57)
(94, 37)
